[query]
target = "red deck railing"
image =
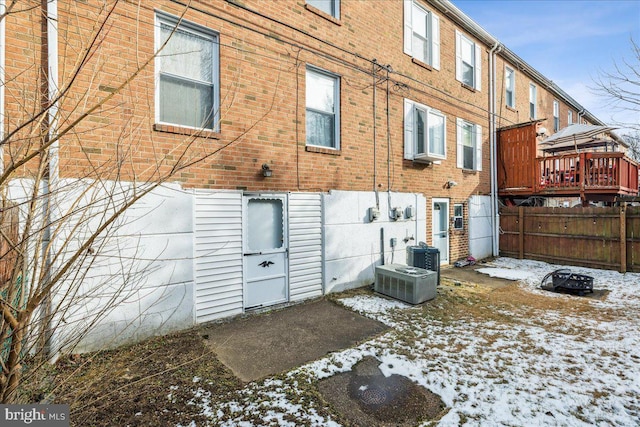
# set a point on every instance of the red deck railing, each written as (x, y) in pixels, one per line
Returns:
(584, 173)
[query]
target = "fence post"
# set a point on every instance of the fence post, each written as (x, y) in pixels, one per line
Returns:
(623, 240)
(521, 231)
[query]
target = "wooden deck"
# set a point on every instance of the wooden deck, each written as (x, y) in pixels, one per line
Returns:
(592, 176)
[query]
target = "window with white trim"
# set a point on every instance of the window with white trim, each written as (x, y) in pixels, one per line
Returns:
(421, 33)
(469, 145)
(556, 116)
(468, 59)
(510, 87)
(570, 117)
(187, 67)
(323, 108)
(330, 7)
(532, 100)
(458, 216)
(424, 133)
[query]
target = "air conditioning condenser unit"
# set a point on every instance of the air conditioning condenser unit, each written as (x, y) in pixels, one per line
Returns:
(409, 284)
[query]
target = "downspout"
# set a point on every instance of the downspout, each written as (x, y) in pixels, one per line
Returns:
(52, 85)
(388, 141)
(495, 215)
(50, 69)
(375, 171)
(3, 10)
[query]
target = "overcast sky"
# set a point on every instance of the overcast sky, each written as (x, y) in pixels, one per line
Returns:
(568, 41)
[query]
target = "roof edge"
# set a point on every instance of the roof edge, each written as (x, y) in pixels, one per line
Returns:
(449, 9)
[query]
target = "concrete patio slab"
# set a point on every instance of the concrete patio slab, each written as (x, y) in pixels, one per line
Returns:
(277, 341)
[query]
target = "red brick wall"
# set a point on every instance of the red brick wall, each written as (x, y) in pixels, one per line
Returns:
(262, 97)
(509, 116)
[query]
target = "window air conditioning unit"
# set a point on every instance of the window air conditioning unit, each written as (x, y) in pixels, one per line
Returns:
(423, 158)
(409, 284)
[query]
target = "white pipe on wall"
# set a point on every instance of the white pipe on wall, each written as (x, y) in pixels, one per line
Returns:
(495, 217)
(3, 9)
(52, 84)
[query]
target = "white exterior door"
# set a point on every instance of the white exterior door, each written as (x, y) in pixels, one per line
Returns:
(265, 250)
(440, 223)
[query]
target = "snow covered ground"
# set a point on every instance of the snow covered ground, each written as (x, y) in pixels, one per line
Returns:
(542, 359)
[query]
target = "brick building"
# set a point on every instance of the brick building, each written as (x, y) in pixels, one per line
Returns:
(345, 139)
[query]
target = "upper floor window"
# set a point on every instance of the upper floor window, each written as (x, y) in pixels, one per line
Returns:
(570, 117)
(556, 116)
(424, 133)
(330, 7)
(532, 100)
(421, 34)
(468, 58)
(469, 145)
(323, 108)
(510, 87)
(187, 90)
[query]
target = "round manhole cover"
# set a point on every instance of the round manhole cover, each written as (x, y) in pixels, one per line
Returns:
(373, 396)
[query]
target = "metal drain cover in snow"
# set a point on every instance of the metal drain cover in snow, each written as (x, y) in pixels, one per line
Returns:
(373, 396)
(365, 397)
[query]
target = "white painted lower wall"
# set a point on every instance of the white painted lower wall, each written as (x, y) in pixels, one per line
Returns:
(354, 244)
(140, 282)
(174, 259)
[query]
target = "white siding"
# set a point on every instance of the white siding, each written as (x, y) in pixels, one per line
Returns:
(305, 246)
(218, 255)
(480, 237)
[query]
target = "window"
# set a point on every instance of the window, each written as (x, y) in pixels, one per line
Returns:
(556, 116)
(532, 101)
(330, 7)
(323, 109)
(468, 56)
(424, 133)
(570, 117)
(510, 87)
(187, 92)
(421, 34)
(469, 145)
(458, 216)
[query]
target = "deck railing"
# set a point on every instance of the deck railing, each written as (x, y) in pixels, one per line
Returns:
(587, 172)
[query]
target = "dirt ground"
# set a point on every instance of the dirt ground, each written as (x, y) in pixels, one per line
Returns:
(140, 385)
(152, 383)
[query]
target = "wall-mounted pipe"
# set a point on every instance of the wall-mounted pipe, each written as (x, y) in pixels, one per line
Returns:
(49, 183)
(495, 215)
(375, 160)
(382, 245)
(3, 10)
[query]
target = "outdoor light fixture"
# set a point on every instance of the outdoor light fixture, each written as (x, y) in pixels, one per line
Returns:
(451, 183)
(266, 170)
(541, 131)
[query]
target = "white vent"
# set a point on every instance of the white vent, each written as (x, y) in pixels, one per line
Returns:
(409, 284)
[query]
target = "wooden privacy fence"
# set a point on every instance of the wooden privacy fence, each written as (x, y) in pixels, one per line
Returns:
(607, 238)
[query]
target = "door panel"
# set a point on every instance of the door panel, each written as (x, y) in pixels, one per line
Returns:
(440, 231)
(265, 250)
